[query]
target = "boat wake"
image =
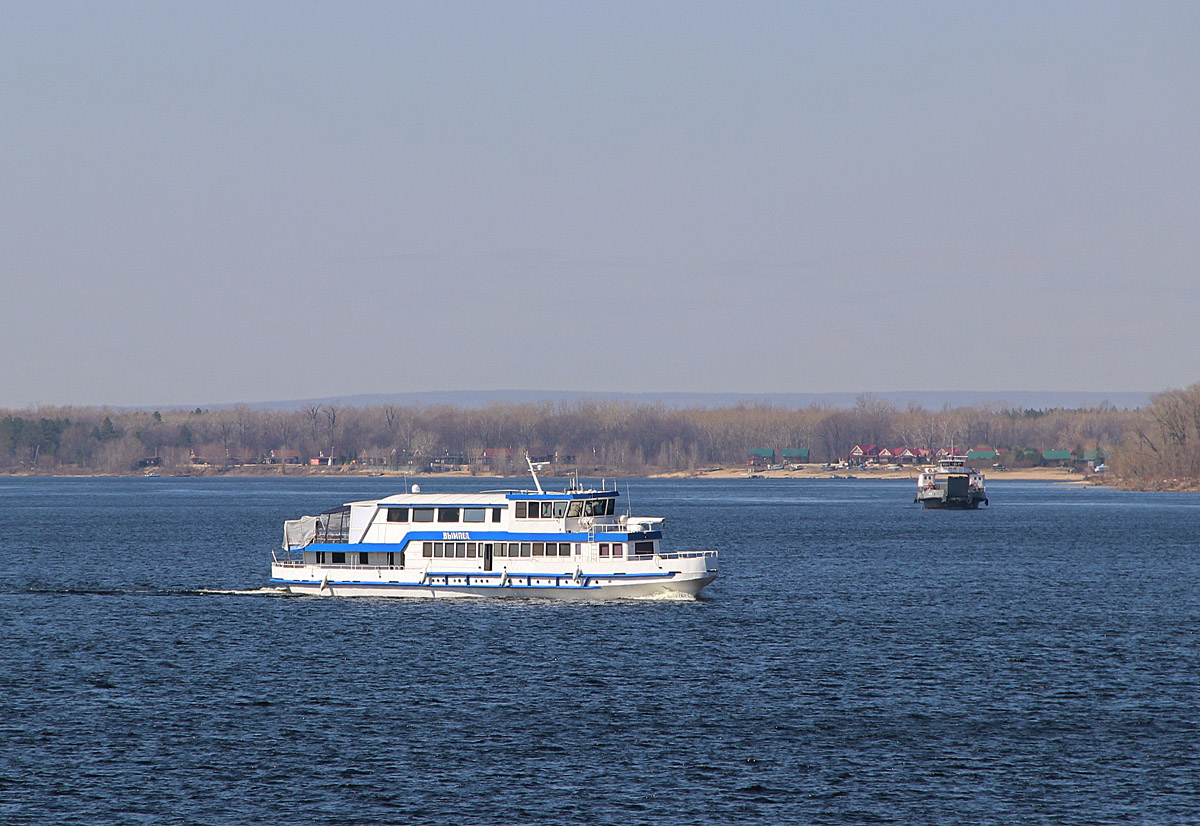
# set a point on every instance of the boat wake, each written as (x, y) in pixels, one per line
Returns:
(150, 592)
(266, 591)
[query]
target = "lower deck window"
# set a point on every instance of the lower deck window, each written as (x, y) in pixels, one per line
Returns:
(530, 549)
(454, 550)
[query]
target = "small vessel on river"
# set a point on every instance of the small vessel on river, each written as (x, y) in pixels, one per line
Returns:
(951, 484)
(569, 544)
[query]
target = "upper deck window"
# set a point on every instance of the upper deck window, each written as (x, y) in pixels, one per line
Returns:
(397, 514)
(447, 514)
(474, 514)
(422, 514)
(535, 510)
(560, 510)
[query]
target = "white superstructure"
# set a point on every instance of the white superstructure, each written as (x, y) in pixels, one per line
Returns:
(569, 544)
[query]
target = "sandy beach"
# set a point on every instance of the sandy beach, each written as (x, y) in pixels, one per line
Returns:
(1045, 474)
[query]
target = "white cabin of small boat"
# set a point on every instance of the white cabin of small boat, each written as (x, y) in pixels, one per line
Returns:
(951, 483)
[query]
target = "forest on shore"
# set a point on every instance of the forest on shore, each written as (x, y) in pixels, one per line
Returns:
(1156, 446)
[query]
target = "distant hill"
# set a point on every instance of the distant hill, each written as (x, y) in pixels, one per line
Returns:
(928, 399)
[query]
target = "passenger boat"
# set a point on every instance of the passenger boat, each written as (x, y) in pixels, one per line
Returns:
(951, 484)
(569, 544)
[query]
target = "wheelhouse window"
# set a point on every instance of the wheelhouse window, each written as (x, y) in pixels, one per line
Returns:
(598, 507)
(560, 510)
(474, 514)
(576, 508)
(547, 510)
(447, 514)
(397, 514)
(422, 514)
(641, 548)
(496, 514)
(521, 508)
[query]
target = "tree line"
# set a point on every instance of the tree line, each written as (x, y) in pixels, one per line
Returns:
(1160, 441)
(1161, 448)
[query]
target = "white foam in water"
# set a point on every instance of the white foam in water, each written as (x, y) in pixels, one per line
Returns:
(265, 591)
(670, 596)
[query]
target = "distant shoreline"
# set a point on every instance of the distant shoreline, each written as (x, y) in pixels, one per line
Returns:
(1042, 474)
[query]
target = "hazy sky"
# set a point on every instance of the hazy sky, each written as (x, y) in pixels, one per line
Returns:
(217, 202)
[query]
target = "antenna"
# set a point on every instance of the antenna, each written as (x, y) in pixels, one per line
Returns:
(534, 467)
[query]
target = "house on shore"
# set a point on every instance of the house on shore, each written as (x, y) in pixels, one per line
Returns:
(1058, 457)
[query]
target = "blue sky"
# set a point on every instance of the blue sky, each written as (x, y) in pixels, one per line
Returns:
(220, 202)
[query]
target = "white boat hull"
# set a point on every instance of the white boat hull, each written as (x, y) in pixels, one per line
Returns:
(938, 499)
(314, 580)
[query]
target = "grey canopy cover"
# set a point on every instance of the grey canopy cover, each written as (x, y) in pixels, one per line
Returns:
(299, 532)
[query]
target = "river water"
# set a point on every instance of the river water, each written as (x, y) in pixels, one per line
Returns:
(859, 660)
